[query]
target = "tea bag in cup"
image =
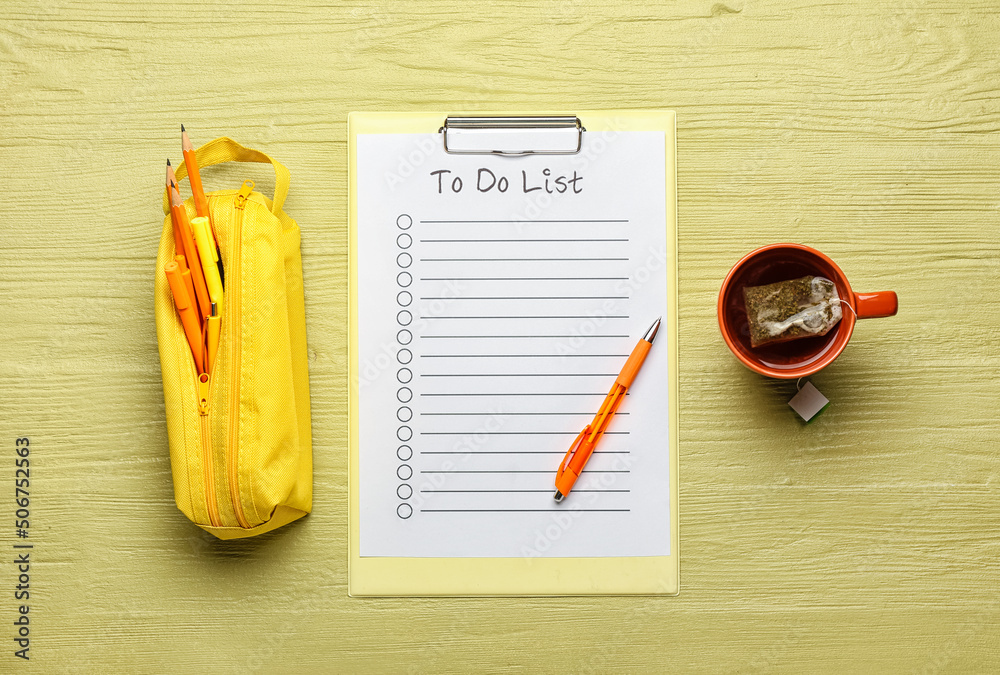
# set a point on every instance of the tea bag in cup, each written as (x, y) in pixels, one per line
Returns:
(787, 310)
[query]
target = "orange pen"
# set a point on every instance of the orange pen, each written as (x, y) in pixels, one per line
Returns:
(191, 253)
(189, 315)
(583, 447)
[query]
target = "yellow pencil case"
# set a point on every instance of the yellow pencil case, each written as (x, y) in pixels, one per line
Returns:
(240, 443)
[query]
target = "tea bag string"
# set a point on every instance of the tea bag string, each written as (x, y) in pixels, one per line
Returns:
(845, 302)
(798, 382)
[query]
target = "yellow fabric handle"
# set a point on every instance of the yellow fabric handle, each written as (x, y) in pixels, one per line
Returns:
(223, 150)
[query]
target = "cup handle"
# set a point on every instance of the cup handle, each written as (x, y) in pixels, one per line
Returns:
(876, 305)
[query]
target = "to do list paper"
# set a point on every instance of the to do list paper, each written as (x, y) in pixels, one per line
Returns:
(498, 299)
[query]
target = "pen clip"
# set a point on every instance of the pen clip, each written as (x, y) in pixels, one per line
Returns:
(572, 451)
(203, 366)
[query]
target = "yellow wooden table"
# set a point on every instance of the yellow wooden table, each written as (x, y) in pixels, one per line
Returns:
(866, 541)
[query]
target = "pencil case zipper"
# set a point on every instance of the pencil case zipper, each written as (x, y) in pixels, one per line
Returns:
(204, 381)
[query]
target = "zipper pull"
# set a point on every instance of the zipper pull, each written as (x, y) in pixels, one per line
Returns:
(203, 384)
(244, 194)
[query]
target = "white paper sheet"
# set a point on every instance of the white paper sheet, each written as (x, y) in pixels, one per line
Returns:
(491, 325)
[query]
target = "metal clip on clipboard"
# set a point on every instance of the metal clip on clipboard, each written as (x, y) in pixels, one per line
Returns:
(514, 136)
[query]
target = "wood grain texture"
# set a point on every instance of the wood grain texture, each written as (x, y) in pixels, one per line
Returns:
(863, 542)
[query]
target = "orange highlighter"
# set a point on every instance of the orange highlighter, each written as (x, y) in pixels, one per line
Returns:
(185, 275)
(189, 314)
(583, 447)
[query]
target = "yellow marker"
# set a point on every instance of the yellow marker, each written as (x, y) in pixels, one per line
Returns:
(205, 250)
(212, 280)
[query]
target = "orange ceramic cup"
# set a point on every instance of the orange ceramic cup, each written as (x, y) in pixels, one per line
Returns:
(805, 356)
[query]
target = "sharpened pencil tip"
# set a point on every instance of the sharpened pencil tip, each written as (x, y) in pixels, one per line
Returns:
(168, 162)
(182, 128)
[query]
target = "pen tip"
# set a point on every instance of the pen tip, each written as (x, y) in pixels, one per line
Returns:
(559, 496)
(651, 333)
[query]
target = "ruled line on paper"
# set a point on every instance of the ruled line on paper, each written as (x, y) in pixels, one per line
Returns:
(518, 318)
(546, 471)
(549, 510)
(517, 452)
(556, 414)
(543, 490)
(534, 297)
(524, 278)
(522, 259)
(530, 393)
(518, 375)
(521, 356)
(564, 220)
(519, 241)
(507, 337)
(517, 433)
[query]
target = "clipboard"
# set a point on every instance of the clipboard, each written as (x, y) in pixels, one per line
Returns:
(513, 136)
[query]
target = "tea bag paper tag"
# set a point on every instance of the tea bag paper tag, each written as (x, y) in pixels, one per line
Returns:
(808, 402)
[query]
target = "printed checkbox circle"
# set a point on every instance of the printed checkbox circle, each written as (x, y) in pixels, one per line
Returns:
(404, 452)
(404, 511)
(404, 240)
(404, 260)
(404, 395)
(404, 356)
(404, 433)
(404, 337)
(404, 414)
(404, 472)
(404, 279)
(404, 375)
(404, 491)
(403, 298)
(404, 318)
(404, 221)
